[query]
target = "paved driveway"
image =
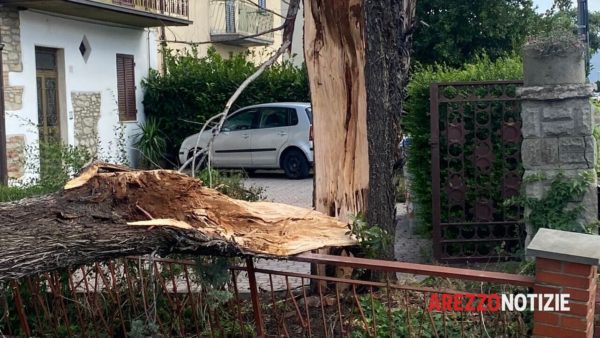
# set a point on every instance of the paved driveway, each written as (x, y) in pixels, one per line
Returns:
(282, 190)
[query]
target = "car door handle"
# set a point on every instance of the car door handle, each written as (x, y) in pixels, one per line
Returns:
(282, 133)
(245, 135)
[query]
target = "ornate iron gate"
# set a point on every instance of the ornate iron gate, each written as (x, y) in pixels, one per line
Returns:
(476, 166)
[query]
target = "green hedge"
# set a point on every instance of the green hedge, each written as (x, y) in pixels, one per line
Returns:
(195, 89)
(417, 121)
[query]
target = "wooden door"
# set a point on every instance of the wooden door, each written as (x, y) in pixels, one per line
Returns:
(48, 107)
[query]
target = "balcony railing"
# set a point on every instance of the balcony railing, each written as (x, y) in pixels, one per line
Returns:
(238, 21)
(175, 8)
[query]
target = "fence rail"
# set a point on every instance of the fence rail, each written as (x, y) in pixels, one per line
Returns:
(178, 8)
(232, 20)
(220, 298)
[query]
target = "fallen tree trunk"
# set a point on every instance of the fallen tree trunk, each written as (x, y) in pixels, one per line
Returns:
(110, 211)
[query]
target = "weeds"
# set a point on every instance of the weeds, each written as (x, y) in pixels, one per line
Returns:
(230, 183)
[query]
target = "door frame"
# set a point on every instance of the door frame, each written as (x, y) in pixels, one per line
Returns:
(61, 99)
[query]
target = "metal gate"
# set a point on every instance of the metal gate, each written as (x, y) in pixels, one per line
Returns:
(476, 166)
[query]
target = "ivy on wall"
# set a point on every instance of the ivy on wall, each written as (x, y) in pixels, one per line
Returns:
(560, 207)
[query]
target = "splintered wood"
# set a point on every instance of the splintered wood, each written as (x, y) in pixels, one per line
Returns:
(178, 201)
(110, 211)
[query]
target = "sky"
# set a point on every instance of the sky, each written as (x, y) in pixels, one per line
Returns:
(543, 5)
(593, 6)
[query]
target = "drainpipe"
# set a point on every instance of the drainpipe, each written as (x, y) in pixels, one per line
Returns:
(3, 155)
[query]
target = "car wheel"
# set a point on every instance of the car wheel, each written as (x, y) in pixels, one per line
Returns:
(295, 164)
(199, 162)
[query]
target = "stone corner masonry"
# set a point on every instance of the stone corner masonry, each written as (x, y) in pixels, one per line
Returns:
(557, 124)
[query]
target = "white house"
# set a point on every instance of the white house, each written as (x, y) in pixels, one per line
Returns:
(72, 71)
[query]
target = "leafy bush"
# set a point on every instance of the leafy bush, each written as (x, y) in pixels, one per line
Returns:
(417, 121)
(372, 240)
(54, 162)
(194, 89)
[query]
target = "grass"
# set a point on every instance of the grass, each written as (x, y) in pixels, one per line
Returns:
(11, 194)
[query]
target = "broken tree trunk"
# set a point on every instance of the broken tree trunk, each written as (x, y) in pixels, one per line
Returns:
(357, 55)
(110, 211)
(335, 59)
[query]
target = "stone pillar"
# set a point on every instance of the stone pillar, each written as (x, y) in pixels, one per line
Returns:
(557, 119)
(566, 263)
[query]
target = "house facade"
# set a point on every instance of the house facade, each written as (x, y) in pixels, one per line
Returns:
(73, 70)
(229, 26)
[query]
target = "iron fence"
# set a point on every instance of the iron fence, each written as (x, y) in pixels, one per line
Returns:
(230, 19)
(194, 298)
(180, 8)
(476, 167)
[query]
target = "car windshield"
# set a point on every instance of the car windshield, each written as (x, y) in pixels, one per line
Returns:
(309, 113)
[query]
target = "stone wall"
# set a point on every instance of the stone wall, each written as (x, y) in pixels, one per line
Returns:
(15, 149)
(558, 123)
(86, 106)
(11, 37)
(10, 32)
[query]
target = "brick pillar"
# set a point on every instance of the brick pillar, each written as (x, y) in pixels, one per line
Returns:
(566, 263)
(557, 120)
(597, 320)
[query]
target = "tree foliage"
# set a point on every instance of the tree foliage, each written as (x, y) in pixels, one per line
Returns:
(455, 31)
(563, 16)
(195, 88)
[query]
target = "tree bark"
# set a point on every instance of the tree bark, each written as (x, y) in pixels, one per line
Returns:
(110, 212)
(357, 55)
(335, 58)
(388, 31)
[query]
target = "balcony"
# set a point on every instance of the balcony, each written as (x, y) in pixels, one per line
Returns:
(139, 13)
(236, 22)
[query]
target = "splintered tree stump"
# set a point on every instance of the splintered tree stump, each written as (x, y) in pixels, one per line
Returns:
(110, 211)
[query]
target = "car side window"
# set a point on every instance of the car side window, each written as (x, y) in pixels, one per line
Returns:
(241, 121)
(274, 117)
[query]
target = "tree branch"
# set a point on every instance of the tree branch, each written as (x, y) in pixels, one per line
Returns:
(288, 32)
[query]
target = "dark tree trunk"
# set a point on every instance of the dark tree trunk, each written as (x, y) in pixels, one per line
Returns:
(104, 215)
(388, 34)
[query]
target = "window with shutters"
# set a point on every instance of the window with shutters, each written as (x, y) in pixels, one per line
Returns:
(126, 87)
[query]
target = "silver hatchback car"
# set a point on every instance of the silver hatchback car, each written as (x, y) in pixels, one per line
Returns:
(264, 136)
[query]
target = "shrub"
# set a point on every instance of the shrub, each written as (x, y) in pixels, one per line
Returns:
(194, 89)
(54, 162)
(416, 123)
(151, 143)
(230, 183)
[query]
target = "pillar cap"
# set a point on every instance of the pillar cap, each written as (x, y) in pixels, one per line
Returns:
(565, 246)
